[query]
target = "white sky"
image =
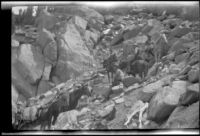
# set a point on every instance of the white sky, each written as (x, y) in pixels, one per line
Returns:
(103, 4)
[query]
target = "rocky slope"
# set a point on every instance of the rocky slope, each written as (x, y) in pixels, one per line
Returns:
(66, 49)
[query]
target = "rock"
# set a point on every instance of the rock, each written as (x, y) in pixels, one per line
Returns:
(45, 20)
(145, 30)
(74, 57)
(174, 69)
(193, 75)
(153, 70)
(184, 117)
(165, 101)
(149, 91)
(128, 81)
(141, 39)
(29, 113)
(132, 33)
(194, 59)
(79, 22)
(30, 63)
(117, 89)
(69, 117)
(177, 45)
(21, 84)
(190, 96)
(95, 24)
(43, 87)
(117, 39)
(181, 57)
(179, 32)
(157, 26)
(15, 43)
(191, 36)
(108, 112)
(120, 100)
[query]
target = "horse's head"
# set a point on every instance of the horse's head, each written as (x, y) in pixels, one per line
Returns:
(87, 90)
(83, 89)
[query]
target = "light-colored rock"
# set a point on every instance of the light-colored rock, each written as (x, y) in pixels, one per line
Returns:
(46, 71)
(165, 101)
(74, 56)
(106, 110)
(15, 43)
(184, 117)
(174, 69)
(21, 84)
(30, 63)
(80, 22)
(29, 113)
(43, 87)
(149, 91)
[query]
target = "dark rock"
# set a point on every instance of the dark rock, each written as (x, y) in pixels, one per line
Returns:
(184, 117)
(193, 75)
(108, 19)
(132, 33)
(117, 39)
(181, 57)
(191, 95)
(179, 32)
(130, 81)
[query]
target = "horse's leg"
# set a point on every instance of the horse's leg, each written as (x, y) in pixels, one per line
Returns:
(108, 76)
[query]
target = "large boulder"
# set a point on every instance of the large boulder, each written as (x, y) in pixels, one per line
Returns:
(79, 22)
(165, 101)
(184, 117)
(191, 95)
(23, 87)
(30, 63)
(74, 56)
